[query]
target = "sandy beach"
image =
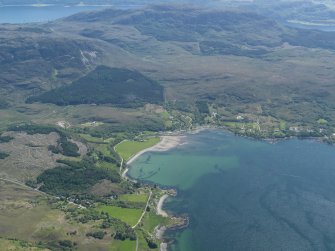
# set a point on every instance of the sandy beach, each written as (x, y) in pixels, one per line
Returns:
(160, 203)
(166, 143)
(163, 247)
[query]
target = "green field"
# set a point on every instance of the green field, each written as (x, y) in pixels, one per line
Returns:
(127, 149)
(128, 215)
(91, 139)
(134, 197)
(126, 245)
(152, 220)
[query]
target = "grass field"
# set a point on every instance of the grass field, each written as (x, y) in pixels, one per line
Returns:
(134, 197)
(128, 215)
(91, 139)
(127, 149)
(151, 220)
(126, 245)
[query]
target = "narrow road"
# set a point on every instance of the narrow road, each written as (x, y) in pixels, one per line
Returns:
(136, 243)
(145, 209)
(121, 164)
(23, 185)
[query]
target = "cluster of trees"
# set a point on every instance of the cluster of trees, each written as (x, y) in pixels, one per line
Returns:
(129, 128)
(202, 106)
(3, 155)
(225, 48)
(65, 147)
(67, 244)
(97, 234)
(120, 229)
(89, 215)
(151, 242)
(5, 139)
(61, 245)
(74, 178)
(32, 129)
(105, 85)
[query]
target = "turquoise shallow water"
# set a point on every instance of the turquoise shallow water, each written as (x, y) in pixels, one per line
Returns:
(242, 194)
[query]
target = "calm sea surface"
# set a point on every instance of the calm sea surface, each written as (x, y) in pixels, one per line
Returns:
(28, 14)
(242, 194)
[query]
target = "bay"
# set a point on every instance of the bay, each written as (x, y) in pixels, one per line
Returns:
(243, 194)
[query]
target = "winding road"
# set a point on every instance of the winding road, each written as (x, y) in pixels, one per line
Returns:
(139, 221)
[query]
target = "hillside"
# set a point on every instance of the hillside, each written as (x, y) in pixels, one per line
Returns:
(104, 85)
(237, 62)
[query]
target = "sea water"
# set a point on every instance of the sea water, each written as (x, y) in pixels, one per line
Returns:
(243, 194)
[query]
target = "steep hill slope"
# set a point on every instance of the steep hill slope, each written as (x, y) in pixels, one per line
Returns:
(106, 85)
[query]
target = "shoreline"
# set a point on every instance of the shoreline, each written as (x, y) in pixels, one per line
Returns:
(160, 230)
(167, 142)
(159, 208)
(180, 222)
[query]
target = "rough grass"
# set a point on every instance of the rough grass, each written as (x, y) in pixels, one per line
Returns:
(142, 243)
(91, 139)
(27, 216)
(134, 197)
(29, 155)
(128, 215)
(104, 149)
(107, 165)
(127, 149)
(16, 245)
